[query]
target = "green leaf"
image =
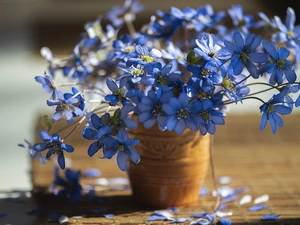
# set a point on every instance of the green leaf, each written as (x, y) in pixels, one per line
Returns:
(117, 113)
(192, 59)
(47, 122)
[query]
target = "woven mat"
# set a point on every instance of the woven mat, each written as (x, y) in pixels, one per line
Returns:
(262, 162)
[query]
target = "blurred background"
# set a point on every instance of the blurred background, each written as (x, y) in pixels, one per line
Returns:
(28, 25)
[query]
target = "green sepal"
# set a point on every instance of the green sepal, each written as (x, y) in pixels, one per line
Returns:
(192, 59)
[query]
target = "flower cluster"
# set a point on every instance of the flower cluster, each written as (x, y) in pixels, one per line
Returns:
(180, 71)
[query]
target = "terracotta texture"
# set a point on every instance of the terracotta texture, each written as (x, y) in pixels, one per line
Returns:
(172, 167)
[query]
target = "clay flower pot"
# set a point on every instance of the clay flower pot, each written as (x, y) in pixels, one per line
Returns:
(172, 167)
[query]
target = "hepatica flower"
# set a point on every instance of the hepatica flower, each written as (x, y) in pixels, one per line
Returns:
(279, 67)
(272, 109)
(54, 145)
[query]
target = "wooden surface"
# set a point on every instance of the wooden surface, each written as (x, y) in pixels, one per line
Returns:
(263, 162)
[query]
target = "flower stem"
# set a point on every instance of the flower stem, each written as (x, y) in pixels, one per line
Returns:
(130, 26)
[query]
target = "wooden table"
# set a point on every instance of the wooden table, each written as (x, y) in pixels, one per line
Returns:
(263, 162)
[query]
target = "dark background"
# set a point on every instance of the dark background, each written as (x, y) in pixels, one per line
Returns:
(58, 23)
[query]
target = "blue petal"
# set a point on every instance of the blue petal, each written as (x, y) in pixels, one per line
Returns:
(122, 160)
(180, 127)
(270, 217)
(45, 136)
(111, 85)
(96, 121)
(271, 49)
(57, 115)
(172, 122)
(239, 40)
(283, 110)
(156, 218)
(104, 130)
(168, 109)
(130, 124)
(283, 53)
(61, 161)
(49, 153)
(180, 220)
(258, 57)
(290, 75)
(68, 148)
(40, 147)
(150, 123)
(89, 134)
(257, 208)
(264, 121)
(94, 148)
(134, 155)
(224, 221)
(144, 116)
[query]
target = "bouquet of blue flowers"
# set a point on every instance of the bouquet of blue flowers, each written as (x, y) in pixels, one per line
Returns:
(180, 71)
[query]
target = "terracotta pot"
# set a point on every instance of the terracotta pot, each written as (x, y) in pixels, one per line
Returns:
(172, 168)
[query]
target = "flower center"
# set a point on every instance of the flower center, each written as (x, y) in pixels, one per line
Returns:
(212, 54)
(147, 58)
(228, 84)
(121, 147)
(280, 63)
(129, 49)
(290, 34)
(205, 115)
(271, 108)
(244, 56)
(183, 113)
(157, 110)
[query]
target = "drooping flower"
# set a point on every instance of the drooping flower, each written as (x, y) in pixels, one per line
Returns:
(47, 84)
(206, 116)
(54, 145)
(33, 154)
(68, 187)
(122, 147)
(180, 115)
(280, 67)
(272, 108)
(244, 54)
(150, 108)
(78, 95)
(67, 106)
(172, 52)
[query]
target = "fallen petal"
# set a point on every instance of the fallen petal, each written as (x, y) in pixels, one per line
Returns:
(257, 208)
(224, 180)
(245, 199)
(165, 213)
(224, 221)
(199, 215)
(173, 209)
(180, 220)
(270, 217)
(261, 199)
(223, 214)
(109, 216)
(201, 221)
(63, 219)
(156, 218)
(102, 182)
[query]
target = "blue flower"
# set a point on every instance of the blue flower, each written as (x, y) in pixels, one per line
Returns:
(244, 53)
(33, 154)
(76, 94)
(159, 76)
(119, 14)
(134, 73)
(119, 121)
(234, 86)
(288, 33)
(47, 84)
(265, 22)
(206, 18)
(54, 145)
(163, 27)
(96, 131)
(69, 187)
(118, 94)
(280, 66)
(241, 21)
(207, 75)
(65, 105)
(206, 116)
(150, 108)
(173, 52)
(122, 145)
(272, 108)
(179, 111)
(210, 51)
(145, 56)
(124, 46)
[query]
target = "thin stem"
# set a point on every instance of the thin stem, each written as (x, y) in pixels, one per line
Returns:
(212, 166)
(130, 26)
(77, 125)
(260, 83)
(256, 98)
(70, 84)
(92, 91)
(243, 80)
(259, 92)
